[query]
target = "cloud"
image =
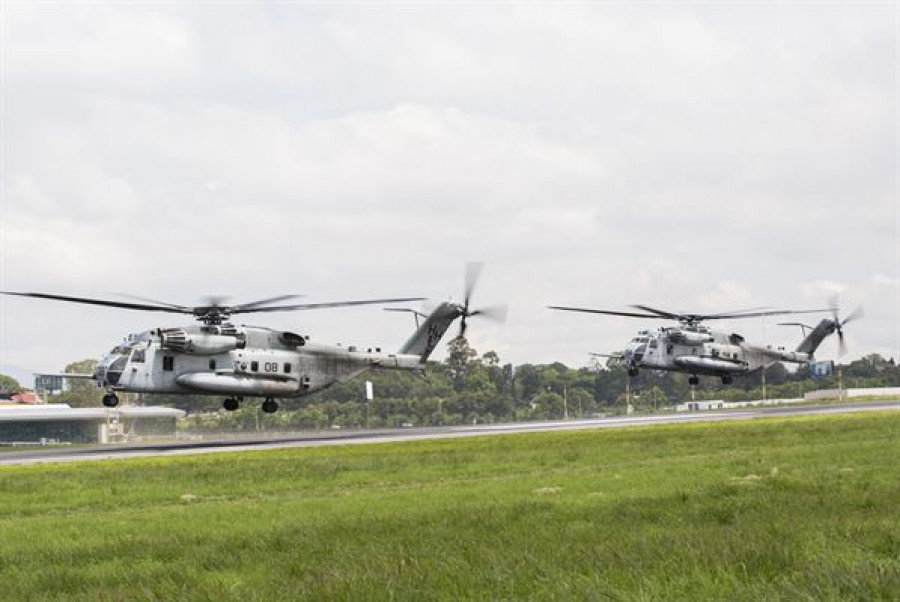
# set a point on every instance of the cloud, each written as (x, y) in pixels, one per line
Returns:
(728, 294)
(697, 158)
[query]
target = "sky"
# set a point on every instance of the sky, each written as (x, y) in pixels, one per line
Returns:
(697, 157)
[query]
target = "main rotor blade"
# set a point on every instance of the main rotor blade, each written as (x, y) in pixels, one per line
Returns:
(305, 306)
(739, 311)
(154, 301)
(214, 302)
(659, 312)
(254, 304)
(759, 314)
(606, 312)
(120, 304)
(473, 273)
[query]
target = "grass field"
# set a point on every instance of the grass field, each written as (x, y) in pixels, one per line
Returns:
(775, 509)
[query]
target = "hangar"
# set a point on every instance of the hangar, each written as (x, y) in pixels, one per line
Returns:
(59, 423)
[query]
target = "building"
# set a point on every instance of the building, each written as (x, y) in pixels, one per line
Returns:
(59, 423)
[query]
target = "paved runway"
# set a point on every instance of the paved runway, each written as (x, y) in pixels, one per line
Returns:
(257, 442)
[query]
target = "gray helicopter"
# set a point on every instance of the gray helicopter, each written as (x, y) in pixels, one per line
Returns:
(217, 357)
(695, 349)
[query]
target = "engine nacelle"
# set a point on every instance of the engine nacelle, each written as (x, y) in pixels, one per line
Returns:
(178, 339)
(689, 337)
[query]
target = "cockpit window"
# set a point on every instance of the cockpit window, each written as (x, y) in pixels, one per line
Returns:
(137, 356)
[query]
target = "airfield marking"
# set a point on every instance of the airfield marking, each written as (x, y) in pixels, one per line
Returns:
(181, 448)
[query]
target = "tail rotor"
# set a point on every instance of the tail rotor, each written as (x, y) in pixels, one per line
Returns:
(496, 313)
(839, 324)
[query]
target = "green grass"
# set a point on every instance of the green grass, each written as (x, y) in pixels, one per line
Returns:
(775, 509)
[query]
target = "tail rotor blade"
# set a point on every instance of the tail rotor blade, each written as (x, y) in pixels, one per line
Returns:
(842, 345)
(494, 313)
(833, 304)
(856, 314)
(473, 273)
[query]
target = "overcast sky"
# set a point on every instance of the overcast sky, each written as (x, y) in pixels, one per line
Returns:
(692, 157)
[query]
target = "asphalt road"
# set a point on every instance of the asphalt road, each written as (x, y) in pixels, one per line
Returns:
(177, 448)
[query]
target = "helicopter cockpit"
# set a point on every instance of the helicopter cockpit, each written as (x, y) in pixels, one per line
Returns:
(110, 367)
(637, 347)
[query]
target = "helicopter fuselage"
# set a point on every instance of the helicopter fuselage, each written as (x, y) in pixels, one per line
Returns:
(219, 358)
(240, 361)
(698, 350)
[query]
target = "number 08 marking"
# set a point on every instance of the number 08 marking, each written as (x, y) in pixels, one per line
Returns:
(270, 367)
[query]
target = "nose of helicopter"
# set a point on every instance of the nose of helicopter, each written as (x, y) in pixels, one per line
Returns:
(634, 353)
(109, 369)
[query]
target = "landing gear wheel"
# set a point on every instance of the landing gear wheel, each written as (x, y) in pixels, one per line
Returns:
(693, 381)
(727, 380)
(110, 400)
(231, 404)
(269, 406)
(632, 372)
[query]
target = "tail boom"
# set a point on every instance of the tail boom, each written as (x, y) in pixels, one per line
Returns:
(818, 334)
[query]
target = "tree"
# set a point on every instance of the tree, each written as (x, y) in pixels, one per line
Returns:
(547, 405)
(653, 398)
(580, 401)
(459, 361)
(81, 393)
(9, 386)
(528, 382)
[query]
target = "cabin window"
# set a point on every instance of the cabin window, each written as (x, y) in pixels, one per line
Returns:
(212, 364)
(653, 343)
(168, 363)
(254, 366)
(137, 356)
(287, 368)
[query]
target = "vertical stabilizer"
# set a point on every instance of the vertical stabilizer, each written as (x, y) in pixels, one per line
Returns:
(815, 338)
(428, 335)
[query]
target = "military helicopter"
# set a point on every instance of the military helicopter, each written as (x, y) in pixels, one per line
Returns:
(217, 357)
(696, 349)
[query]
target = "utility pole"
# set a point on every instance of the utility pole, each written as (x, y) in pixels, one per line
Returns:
(840, 384)
(565, 403)
(628, 408)
(764, 382)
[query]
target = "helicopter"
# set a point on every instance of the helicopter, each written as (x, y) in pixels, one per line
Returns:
(694, 348)
(217, 357)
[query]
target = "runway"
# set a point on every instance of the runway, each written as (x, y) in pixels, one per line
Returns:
(357, 437)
